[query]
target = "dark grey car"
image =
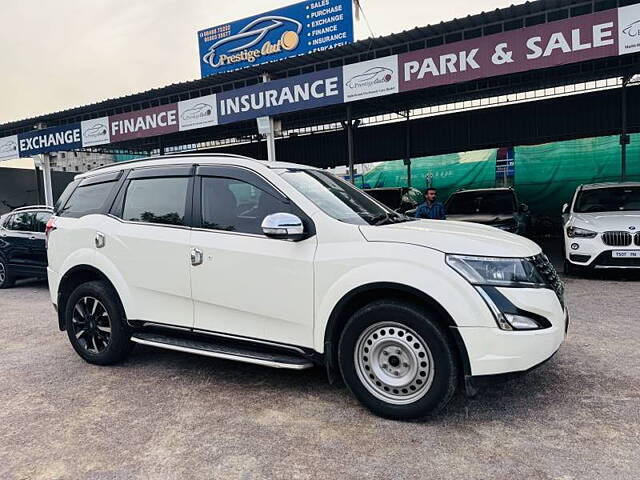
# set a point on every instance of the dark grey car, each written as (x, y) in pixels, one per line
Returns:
(497, 207)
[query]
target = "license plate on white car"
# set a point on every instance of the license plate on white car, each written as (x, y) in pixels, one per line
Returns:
(626, 254)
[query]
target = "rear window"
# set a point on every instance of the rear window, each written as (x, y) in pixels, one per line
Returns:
(87, 200)
(489, 203)
(40, 221)
(156, 200)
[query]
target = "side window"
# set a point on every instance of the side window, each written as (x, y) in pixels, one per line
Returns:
(236, 206)
(40, 221)
(87, 199)
(20, 222)
(156, 200)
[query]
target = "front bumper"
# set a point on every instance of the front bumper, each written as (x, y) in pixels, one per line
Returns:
(594, 253)
(492, 351)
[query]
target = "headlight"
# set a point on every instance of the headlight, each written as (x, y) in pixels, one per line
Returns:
(501, 272)
(575, 232)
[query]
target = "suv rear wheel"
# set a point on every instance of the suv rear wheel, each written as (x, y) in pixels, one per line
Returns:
(96, 324)
(6, 279)
(397, 361)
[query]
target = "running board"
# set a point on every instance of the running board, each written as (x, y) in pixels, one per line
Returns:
(227, 352)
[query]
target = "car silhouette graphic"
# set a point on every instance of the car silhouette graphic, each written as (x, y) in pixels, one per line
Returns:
(199, 110)
(632, 30)
(10, 146)
(97, 130)
(374, 74)
(254, 32)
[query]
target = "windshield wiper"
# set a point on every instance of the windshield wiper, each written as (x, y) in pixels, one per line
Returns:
(386, 218)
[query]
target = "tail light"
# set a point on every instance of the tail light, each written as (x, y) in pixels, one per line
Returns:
(51, 226)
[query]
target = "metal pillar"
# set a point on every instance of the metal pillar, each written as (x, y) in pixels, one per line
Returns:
(271, 142)
(407, 159)
(350, 144)
(624, 137)
(270, 134)
(46, 177)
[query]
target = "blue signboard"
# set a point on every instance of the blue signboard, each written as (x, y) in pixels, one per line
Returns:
(67, 137)
(293, 30)
(311, 90)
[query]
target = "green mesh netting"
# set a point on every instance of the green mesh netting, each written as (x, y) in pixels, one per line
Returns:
(545, 175)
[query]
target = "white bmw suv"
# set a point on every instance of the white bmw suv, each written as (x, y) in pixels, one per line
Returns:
(287, 266)
(602, 227)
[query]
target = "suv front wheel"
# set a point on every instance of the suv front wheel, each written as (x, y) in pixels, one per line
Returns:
(96, 324)
(397, 360)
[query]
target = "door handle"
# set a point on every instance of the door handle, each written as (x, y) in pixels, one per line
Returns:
(99, 240)
(196, 257)
(33, 237)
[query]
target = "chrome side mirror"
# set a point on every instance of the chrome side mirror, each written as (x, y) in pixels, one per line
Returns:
(565, 208)
(284, 226)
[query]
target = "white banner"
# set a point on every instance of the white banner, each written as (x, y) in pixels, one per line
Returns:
(198, 113)
(372, 78)
(9, 148)
(95, 132)
(629, 29)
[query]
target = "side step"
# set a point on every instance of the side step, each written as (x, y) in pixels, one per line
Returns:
(219, 350)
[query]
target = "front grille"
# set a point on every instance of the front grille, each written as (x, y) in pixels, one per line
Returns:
(637, 238)
(617, 239)
(549, 274)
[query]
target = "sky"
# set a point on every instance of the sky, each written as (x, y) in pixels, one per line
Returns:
(60, 54)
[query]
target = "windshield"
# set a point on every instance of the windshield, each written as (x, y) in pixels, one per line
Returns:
(487, 203)
(611, 199)
(339, 199)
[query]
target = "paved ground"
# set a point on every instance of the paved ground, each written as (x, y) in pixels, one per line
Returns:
(165, 415)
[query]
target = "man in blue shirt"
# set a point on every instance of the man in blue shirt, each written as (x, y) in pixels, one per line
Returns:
(431, 209)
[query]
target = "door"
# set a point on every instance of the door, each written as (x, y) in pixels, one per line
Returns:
(247, 284)
(38, 244)
(15, 238)
(149, 244)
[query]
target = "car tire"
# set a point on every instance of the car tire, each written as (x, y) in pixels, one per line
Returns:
(96, 324)
(397, 360)
(7, 280)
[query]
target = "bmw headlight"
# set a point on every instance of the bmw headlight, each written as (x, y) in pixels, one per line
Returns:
(496, 271)
(575, 232)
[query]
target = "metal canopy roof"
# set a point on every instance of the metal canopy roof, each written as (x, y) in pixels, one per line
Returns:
(486, 23)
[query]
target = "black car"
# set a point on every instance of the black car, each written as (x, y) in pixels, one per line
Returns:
(497, 207)
(23, 251)
(399, 199)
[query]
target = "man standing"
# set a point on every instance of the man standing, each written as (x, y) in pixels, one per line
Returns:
(431, 209)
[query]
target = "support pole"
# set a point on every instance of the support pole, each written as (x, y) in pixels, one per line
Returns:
(350, 144)
(271, 134)
(46, 177)
(407, 158)
(624, 137)
(271, 142)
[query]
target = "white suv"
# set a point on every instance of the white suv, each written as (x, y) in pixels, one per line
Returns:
(602, 227)
(288, 266)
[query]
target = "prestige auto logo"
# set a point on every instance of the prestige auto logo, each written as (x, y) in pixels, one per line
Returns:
(372, 76)
(632, 30)
(9, 147)
(98, 130)
(199, 110)
(251, 42)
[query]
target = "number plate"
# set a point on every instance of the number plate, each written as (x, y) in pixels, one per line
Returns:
(625, 254)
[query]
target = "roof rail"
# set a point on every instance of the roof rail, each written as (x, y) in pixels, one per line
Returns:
(173, 155)
(33, 207)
